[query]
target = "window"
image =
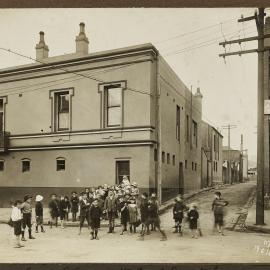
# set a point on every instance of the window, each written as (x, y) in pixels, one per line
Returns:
(163, 157)
(2, 165)
(185, 164)
(113, 101)
(122, 169)
(1, 115)
(25, 165)
(178, 123)
(63, 111)
(173, 160)
(155, 155)
(61, 100)
(195, 166)
(194, 133)
(60, 164)
(187, 128)
(168, 158)
(192, 166)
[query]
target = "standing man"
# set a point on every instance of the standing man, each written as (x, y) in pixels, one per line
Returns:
(218, 209)
(27, 217)
(110, 206)
(84, 213)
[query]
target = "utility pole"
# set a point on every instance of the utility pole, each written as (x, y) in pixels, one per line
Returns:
(229, 127)
(259, 19)
(241, 167)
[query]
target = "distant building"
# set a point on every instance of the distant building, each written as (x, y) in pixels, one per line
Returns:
(85, 119)
(212, 156)
(234, 156)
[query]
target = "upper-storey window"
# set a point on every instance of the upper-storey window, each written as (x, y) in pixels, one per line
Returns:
(194, 133)
(61, 109)
(2, 113)
(178, 123)
(113, 108)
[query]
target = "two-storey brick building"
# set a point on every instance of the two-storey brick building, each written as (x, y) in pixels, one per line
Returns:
(85, 119)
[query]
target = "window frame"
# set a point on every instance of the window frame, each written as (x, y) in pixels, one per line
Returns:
(2, 165)
(117, 168)
(3, 112)
(54, 96)
(168, 158)
(178, 122)
(194, 133)
(28, 167)
(173, 160)
(163, 156)
(59, 159)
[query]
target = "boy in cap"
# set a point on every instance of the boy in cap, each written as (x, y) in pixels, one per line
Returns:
(74, 200)
(84, 211)
(27, 217)
(39, 213)
(218, 209)
(16, 217)
(95, 214)
(178, 213)
(144, 212)
(110, 206)
(54, 210)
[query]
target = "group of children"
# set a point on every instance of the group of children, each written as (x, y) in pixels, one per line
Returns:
(104, 202)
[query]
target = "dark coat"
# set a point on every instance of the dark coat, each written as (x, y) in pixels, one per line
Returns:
(54, 208)
(63, 206)
(153, 210)
(74, 201)
(95, 216)
(193, 217)
(39, 209)
(84, 208)
(144, 210)
(110, 204)
(178, 210)
(123, 209)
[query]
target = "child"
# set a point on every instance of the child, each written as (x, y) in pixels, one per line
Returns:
(84, 211)
(153, 218)
(110, 206)
(74, 205)
(27, 217)
(133, 215)
(68, 204)
(124, 214)
(144, 212)
(63, 210)
(193, 217)
(178, 214)
(54, 210)
(218, 209)
(39, 213)
(95, 214)
(16, 217)
(154, 200)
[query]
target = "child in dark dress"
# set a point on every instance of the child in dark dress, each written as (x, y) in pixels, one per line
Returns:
(124, 214)
(95, 214)
(193, 217)
(63, 210)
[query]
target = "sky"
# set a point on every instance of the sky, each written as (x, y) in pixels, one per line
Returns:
(187, 38)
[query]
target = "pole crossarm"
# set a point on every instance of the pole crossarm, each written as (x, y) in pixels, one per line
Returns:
(242, 40)
(238, 53)
(247, 18)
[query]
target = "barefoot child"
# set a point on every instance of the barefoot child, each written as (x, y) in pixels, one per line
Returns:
(16, 217)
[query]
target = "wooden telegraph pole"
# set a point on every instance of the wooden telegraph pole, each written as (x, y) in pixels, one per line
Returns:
(259, 19)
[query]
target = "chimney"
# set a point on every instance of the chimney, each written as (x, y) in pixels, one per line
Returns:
(82, 41)
(42, 50)
(198, 93)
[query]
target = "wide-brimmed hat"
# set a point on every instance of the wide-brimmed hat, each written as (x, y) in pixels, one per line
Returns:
(39, 198)
(26, 197)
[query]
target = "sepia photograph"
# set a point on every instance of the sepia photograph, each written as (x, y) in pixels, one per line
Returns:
(135, 135)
